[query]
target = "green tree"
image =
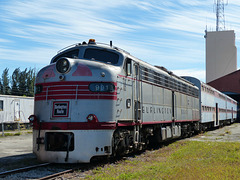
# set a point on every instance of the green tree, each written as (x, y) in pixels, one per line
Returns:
(5, 82)
(22, 82)
(1, 86)
(15, 82)
(31, 76)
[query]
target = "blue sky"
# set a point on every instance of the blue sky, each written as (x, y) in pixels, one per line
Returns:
(167, 33)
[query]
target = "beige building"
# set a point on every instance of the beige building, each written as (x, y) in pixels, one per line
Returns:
(221, 54)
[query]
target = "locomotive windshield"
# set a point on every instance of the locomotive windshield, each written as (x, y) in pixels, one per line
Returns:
(101, 55)
(70, 54)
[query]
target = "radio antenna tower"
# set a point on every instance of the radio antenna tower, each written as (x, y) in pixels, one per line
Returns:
(220, 24)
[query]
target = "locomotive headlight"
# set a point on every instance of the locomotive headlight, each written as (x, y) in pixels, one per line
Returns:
(101, 87)
(102, 74)
(92, 118)
(63, 65)
(33, 118)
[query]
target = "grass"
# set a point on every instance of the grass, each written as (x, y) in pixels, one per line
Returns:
(15, 133)
(228, 132)
(180, 160)
(12, 134)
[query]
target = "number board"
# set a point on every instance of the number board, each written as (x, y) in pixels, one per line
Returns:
(60, 109)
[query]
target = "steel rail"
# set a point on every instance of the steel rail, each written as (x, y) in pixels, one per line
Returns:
(56, 174)
(5, 173)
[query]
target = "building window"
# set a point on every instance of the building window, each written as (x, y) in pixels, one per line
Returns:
(1, 105)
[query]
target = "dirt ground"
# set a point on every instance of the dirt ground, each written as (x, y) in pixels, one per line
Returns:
(15, 145)
(20, 145)
(17, 149)
(228, 133)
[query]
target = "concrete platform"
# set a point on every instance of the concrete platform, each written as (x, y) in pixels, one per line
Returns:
(15, 145)
(16, 152)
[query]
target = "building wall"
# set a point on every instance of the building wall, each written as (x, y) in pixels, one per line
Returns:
(15, 108)
(221, 54)
(228, 83)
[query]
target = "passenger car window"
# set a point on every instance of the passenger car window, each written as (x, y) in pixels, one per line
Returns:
(101, 55)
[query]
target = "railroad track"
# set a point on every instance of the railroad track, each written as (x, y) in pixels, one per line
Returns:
(20, 171)
(49, 170)
(56, 174)
(6, 173)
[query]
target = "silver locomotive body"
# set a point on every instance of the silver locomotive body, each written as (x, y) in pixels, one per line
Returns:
(97, 100)
(75, 105)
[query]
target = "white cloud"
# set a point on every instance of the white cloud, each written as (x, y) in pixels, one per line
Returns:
(235, 3)
(4, 40)
(41, 20)
(197, 73)
(192, 21)
(192, 3)
(168, 33)
(35, 55)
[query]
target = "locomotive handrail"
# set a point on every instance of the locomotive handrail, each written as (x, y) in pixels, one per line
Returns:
(79, 44)
(70, 46)
(114, 47)
(77, 92)
(47, 93)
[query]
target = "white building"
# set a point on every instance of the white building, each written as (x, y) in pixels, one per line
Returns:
(15, 108)
(221, 54)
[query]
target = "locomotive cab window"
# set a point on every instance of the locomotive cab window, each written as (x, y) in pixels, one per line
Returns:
(101, 55)
(70, 54)
(128, 67)
(1, 105)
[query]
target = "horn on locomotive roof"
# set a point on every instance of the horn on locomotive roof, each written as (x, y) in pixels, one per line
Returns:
(110, 43)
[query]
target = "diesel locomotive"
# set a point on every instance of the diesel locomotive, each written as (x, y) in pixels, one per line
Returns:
(96, 100)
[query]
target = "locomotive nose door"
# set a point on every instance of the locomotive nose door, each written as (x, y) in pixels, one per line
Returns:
(137, 93)
(137, 105)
